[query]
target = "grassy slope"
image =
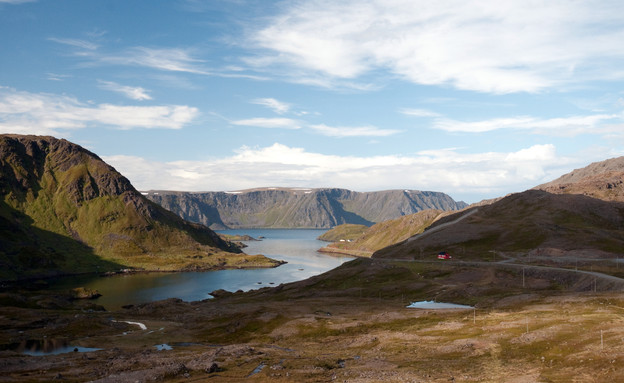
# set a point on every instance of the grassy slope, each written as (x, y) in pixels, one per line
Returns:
(347, 231)
(385, 234)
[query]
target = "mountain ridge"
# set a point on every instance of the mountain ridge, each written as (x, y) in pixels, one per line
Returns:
(298, 207)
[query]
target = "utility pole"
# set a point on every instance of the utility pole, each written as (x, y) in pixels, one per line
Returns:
(523, 277)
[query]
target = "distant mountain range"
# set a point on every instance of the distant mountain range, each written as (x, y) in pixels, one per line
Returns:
(64, 210)
(298, 208)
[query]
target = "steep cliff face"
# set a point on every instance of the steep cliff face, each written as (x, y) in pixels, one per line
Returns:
(62, 209)
(299, 208)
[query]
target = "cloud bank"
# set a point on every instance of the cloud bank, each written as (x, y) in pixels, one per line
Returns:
(485, 46)
(47, 114)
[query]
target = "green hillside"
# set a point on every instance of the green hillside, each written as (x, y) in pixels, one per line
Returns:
(382, 234)
(64, 210)
(344, 232)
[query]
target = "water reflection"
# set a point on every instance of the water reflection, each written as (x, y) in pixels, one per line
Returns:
(297, 247)
(37, 347)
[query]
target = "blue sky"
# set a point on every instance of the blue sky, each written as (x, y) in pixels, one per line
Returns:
(476, 99)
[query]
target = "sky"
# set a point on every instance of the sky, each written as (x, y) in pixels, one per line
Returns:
(476, 99)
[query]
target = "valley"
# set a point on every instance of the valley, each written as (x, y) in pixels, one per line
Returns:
(539, 270)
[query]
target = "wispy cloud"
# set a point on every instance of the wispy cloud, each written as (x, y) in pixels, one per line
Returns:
(260, 122)
(77, 43)
(168, 59)
(38, 113)
(495, 47)
(419, 112)
(278, 107)
(352, 131)
(493, 173)
(132, 92)
(325, 130)
(57, 77)
(564, 126)
(17, 1)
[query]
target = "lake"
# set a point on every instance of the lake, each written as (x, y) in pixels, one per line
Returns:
(298, 247)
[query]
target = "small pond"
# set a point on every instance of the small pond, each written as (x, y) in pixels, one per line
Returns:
(436, 305)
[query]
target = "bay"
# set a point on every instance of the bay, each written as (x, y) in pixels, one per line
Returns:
(298, 247)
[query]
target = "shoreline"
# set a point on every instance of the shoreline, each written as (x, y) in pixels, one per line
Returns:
(10, 284)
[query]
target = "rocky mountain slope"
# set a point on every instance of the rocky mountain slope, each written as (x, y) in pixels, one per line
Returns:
(63, 210)
(603, 180)
(299, 208)
(532, 223)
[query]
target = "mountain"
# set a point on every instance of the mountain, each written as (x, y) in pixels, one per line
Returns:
(531, 223)
(383, 234)
(299, 208)
(603, 180)
(64, 210)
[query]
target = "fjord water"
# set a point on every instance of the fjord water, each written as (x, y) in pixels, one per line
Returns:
(298, 247)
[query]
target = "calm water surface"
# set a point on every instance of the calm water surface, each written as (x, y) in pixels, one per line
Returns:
(297, 247)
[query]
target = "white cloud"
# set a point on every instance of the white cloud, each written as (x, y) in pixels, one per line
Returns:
(419, 112)
(278, 107)
(57, 77)
(37, 113)
(563, 126)
(168, 59)
(446, 170)
(132, 92)
(496, 47)
(259, 122)
(352, 131)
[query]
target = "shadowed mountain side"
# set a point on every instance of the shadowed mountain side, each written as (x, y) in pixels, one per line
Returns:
(69, 191)
(299, 208)
(603, 180)
(532, 222)
(30, 252)
(384, 234)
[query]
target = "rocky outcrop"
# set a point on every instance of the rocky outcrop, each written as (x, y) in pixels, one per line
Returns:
(603, 180)
(299, 208)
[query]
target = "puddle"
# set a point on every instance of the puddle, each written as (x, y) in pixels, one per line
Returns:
(436, 305)
(257, 369)
(34, 347)
(163, 347)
